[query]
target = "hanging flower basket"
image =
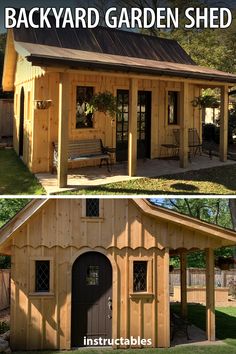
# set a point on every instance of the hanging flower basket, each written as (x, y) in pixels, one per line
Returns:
(42, 104)
(103, 102)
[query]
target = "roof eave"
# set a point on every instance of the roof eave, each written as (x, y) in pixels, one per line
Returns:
(40, 60)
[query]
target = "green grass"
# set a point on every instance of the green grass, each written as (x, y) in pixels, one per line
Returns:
(15, 178)
(217, 180)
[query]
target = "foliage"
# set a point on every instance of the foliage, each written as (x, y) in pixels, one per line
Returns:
(4, 327)
(204, 101)
(8, 209)
(103, 102)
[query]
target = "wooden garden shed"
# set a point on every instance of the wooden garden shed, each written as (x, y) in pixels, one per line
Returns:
(100, 268)
(154, 80)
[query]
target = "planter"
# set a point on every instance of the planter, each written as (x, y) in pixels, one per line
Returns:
(42, 104)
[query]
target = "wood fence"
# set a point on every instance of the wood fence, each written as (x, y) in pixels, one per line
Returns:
(196, 277)
(4, 288)
(6, 117)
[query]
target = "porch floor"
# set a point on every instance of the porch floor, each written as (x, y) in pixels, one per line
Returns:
(95, 176)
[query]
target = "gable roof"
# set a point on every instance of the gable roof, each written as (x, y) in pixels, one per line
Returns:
(112, 49)
(227, 237)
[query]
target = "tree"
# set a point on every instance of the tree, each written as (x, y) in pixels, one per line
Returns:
(8, 209)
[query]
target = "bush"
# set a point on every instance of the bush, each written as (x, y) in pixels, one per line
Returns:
(4, 327)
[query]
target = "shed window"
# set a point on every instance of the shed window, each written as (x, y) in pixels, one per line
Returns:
(83, 96)
(173, 107)
(140, 276)
(92, 207)
(42, 276)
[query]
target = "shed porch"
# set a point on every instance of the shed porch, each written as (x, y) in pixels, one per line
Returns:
(95, 176)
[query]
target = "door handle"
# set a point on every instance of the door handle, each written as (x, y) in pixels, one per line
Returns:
(109, 303)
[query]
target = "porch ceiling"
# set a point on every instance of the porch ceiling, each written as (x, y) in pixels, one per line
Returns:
(46, 55)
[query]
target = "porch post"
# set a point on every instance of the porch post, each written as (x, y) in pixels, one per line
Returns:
(183, 282)
(210, 295)
(184, 117)
(224, 123)
(163, 300)
(64, 99)
(132, 149)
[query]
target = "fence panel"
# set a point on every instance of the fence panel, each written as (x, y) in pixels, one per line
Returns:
(6, 117)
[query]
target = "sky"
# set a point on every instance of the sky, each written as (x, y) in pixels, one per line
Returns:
(81, 3)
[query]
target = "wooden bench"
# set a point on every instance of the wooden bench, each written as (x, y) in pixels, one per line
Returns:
(84, 150)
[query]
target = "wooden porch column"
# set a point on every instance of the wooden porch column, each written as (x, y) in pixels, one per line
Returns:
(163, 300)
(210, 295)
(183, 282)
(132, 149)
(184, 117)
(224, 123)
(64, 99)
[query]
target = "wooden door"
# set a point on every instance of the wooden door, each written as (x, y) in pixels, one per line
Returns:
(143, 125)
(21, 125)
(91, 298)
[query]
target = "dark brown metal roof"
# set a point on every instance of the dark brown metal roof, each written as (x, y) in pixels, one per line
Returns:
(43, 55)
(107, 41)
(112, 50)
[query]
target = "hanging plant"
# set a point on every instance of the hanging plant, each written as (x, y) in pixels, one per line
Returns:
(103, 102)
(205, 101)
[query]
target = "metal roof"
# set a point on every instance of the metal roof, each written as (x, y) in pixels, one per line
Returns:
(107, 41)
(44, 55)
(111, 50)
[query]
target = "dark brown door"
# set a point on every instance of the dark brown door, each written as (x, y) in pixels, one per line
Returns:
(91, 298)
(21, 126)
(143, 125)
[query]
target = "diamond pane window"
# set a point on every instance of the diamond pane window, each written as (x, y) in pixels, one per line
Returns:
(42, 276)
(140, 276)
(92, 207)
(92, 277)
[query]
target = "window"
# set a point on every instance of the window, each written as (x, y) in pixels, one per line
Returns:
(92, 277)
(42, 276)
(139, 276)
(173, 107)
(92, 207)
(83, 96)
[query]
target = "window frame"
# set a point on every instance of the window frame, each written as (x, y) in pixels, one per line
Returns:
(93, 218)
(83, 85)
(149, 283)
(32, 285)
(177, 120)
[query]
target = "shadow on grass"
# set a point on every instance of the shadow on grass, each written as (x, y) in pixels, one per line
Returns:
(225, 320)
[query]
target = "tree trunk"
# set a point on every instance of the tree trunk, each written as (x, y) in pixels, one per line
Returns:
(232, 207)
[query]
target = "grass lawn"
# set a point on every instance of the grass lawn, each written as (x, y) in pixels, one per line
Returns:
(15, 178)
(225, 330)
(217, 180)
